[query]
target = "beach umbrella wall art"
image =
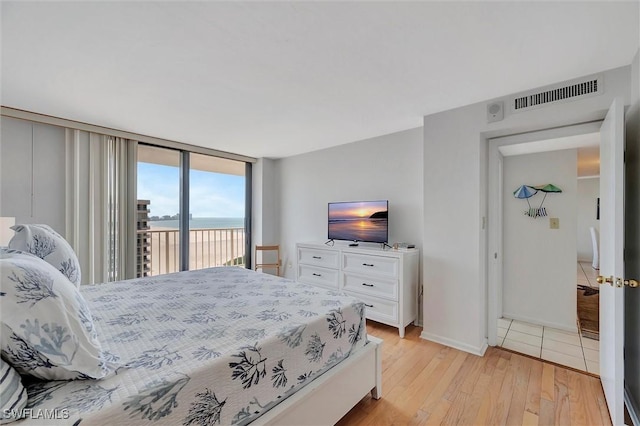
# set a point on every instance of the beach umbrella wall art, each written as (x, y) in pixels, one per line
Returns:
(527, 191)
(524, 193)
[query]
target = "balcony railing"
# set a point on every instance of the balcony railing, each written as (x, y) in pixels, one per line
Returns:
(208, 247)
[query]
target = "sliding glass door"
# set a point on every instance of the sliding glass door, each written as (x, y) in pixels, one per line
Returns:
(210, 191)
(216, 212)
(158, 213)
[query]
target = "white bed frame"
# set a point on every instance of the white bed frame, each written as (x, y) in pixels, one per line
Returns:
(328, 398)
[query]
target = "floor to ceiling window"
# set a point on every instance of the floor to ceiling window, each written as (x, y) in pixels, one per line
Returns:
(216, 211)
(215, 192)
(158, 242)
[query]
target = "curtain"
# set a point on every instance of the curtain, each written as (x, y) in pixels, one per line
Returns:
(121, 208)
(101, 204)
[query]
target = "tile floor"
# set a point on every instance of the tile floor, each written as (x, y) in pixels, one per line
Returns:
(559, 346)
(586, 274)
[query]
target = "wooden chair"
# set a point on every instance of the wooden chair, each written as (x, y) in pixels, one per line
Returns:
(270, 264)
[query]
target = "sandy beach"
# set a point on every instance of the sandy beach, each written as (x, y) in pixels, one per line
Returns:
(207, 248)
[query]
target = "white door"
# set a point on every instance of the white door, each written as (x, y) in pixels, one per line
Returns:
(611, 260)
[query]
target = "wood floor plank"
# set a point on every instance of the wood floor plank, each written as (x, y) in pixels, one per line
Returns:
(492, 357)
(577, 404)
(547, 415)
(490, 398)
(591, 389)
(428, 383)
(529, 419)
(442, 362)
(474, 402)
(420, 418)
(473, 375)
(439, 412)
(456, 410)
(534, 389)
(483, 411)
(561, 401)
(520, 388)
(405, 371)
(500, 410)
(441, 387)
(458, 380)
(425, 382)
(547, 390)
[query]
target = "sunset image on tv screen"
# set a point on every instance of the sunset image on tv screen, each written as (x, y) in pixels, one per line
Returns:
(358, 221)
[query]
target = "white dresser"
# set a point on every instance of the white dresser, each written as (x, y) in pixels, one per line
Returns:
(385, 280)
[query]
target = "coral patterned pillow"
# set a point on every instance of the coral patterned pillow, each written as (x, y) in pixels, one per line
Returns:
(13, 395)
(47, 244)
(47, 328)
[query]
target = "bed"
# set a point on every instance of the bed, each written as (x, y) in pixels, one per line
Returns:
(221, 345)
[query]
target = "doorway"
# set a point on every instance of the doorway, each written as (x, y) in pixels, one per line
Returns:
(537, 249)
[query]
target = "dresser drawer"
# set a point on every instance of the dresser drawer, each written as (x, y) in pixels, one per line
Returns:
(379, 287)
(329, 278)
(377, 309)
(319, 257)
(371, 265)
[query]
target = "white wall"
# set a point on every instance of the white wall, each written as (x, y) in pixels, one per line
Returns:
(383, 168)
(588, 193)
(455, 194)
(265, 200)
(32, 175)
(539, 275)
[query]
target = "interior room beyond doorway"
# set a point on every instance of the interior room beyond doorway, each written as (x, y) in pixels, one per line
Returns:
(532, 323)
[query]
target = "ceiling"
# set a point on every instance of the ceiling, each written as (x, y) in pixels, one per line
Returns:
(277, 79)
(587, 146)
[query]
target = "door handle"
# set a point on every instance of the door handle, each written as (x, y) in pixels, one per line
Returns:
(619, 281)
(604, 280)
(631, 283)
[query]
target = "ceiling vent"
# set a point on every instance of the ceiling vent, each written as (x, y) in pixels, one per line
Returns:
(558, 93)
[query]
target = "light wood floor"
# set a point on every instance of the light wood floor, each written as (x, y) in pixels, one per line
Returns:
(425, 383)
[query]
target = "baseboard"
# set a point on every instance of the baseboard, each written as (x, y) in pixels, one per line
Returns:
(455, 344)
(537, 321)
(632, 408)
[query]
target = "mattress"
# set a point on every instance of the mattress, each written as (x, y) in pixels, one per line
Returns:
(213, 346)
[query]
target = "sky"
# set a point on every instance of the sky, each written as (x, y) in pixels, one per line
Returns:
(355, 209)
(211, 194)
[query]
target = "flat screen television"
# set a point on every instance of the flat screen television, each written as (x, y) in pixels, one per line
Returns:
(365, 221)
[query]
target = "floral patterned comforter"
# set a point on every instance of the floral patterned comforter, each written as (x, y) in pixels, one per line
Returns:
(213, 346)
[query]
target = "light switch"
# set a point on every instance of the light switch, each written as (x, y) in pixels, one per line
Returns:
(554, 223)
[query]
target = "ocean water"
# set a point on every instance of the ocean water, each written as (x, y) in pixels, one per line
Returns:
(361, 229)
(202, 222)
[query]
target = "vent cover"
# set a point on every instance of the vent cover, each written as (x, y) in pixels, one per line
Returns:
(563, 92)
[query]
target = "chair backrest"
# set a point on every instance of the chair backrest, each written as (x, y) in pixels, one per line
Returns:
(595, 243)
(271, 264)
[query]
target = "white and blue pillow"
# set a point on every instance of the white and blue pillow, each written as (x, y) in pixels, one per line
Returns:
(13, 395)
(47, 328)
(47, 244)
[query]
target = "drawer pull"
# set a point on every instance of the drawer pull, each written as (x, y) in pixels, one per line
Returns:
(368, 285)
(316, 275)
(367, 264)
(316, 257)
(368, 306)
